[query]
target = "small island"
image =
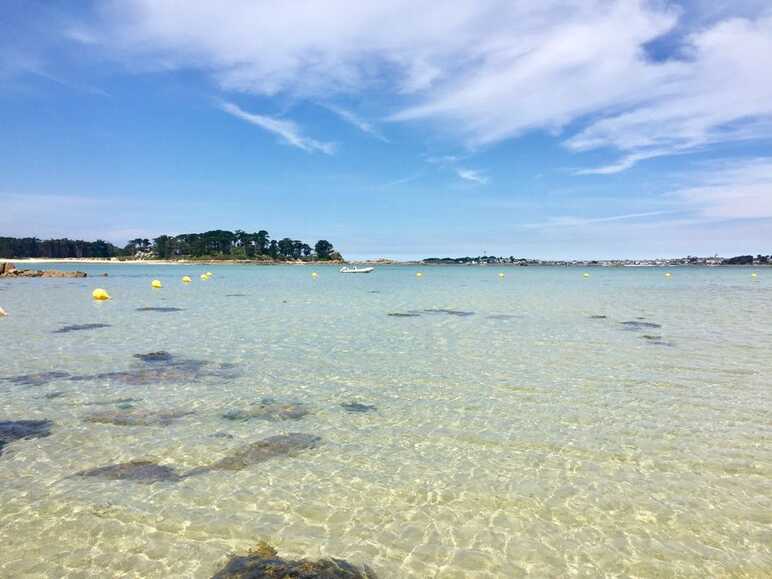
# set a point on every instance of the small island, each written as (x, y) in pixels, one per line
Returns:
(216, 245)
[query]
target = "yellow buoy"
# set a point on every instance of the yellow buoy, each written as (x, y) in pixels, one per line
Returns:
(754, 274)
(585, 274)
(419, 274)
(501, 274)
(2, 313)
(100, 294)
(186, 279)
(209, 274)
(204, 277)
(314, 274)
(156, 284)
(668, 274)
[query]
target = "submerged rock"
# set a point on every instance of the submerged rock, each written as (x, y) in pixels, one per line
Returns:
(38, 379)
(638, 325)
(80, 328)
(269, 409)
(118, 401)
(136, 417)
(459, 313)
(357, 407)
(16, 430)
(141, 471)
(161, 356)
(263, 450)
(263, 562)
(160, 309)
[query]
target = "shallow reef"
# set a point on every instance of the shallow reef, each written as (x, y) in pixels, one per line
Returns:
(263, 562)
(12, 430)
(80, 328)
(269, 409)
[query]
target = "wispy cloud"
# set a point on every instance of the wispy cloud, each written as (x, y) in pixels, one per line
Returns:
(288, 131)
(572, 221)
(473, 175)
(356, 121)
(402, 181)
(740, 189)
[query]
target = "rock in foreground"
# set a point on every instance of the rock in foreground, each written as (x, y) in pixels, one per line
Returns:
(263, 562)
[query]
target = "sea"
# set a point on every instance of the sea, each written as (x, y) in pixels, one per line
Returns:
(468, 422)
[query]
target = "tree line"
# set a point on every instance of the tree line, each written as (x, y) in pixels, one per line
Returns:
(216, 244)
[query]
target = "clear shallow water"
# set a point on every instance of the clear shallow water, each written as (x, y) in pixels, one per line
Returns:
(546, 443)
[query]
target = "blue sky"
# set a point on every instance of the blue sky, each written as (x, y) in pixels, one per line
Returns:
(399, 129)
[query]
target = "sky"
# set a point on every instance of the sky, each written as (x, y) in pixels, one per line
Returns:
(400, 128)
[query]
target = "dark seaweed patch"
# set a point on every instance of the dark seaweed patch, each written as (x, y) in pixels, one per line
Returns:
(80, 328)
(404, 315)
(160, 309)
(11, 431)
(264, 562)
(357, 407)
(141, 471)
(598, 317)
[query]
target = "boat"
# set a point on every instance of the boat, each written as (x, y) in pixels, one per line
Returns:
(346, 269)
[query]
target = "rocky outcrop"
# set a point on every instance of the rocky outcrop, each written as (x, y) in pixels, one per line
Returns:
(7, 269)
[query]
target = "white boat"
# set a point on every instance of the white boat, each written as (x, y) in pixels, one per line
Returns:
(346, 269)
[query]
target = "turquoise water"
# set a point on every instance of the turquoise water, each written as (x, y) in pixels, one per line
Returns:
(524, 439)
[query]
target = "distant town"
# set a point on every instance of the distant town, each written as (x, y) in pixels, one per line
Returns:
(662, 262)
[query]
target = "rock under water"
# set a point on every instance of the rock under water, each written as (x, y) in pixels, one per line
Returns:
(11, 430)
(269, 409)
(357, 407)
(141, 471)
(80, 328)
(136, 417)
(38, 379)
(263, 562)
(272, 447)
(160, 356)
(458, 313)
(638, 325)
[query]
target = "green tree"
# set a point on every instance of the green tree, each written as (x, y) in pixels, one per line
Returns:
(323, 249)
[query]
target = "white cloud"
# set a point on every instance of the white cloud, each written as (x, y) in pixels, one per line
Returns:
(485, 70)
(722, 93)
(738, 190)
(572, 221)
(472, 175)
(287, 130)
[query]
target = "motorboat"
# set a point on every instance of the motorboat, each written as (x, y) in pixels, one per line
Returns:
(346, 269)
